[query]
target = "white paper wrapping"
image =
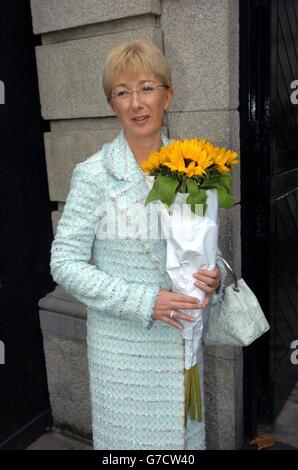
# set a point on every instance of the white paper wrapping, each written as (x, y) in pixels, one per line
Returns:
(191, 245)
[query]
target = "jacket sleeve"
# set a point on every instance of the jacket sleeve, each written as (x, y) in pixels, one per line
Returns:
(217, 295)
(71, 251)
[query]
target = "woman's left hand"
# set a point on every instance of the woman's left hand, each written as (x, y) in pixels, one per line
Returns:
(208, 281)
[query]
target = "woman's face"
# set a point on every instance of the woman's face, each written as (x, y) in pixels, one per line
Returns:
(136, 105)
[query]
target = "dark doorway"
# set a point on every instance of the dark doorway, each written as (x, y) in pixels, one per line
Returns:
(25, 233)
(269, 198)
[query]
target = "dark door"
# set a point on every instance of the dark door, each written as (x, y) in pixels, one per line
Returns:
(25, 233)
(269, 153)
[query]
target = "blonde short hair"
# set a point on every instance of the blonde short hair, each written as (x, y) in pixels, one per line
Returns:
(132, 58)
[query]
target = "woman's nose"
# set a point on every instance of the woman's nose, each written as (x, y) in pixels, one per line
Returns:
(135, 100)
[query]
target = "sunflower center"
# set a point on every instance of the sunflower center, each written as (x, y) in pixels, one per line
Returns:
(187, 161)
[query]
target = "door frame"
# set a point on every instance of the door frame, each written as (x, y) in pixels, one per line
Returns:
(255, 150)
(25, 214)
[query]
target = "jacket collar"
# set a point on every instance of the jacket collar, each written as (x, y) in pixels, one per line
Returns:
(120, 161)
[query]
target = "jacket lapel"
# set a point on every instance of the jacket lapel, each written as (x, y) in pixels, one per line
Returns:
(129, 183)
(120, 161)
(129, 179)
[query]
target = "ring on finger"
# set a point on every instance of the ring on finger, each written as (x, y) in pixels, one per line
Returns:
(173, 314)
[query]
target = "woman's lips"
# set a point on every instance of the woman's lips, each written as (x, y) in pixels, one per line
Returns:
(141, 120)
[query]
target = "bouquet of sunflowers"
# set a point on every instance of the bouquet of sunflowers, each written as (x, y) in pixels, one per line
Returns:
(191, 166)
(191, 178)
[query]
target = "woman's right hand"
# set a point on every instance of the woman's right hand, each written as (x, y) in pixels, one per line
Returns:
(166, 301)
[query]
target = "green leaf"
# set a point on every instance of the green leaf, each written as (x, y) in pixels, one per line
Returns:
(226, 181)
(218, 181)
(192, 187)
(183, 185)
(197, 195)
(163, 189)
(225, 199)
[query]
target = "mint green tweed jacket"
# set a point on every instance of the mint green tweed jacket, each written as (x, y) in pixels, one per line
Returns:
(136, 365)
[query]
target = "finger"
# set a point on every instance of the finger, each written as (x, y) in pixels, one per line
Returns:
(185, 306)
(209, 280)
(184, 316)
(204, 287)
(183, 298)
(208, 272)
(171, 322)
(212, 284)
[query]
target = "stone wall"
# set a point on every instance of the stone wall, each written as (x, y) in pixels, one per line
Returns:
(200, 39)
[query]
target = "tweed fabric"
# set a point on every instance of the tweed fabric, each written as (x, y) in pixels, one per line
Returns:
(136, 365)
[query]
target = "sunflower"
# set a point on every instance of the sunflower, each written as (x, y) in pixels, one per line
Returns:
(231, 157)
(194, 166)
(155, 160)
(193, 157)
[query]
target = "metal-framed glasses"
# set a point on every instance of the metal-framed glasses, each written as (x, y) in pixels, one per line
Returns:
(147, 88)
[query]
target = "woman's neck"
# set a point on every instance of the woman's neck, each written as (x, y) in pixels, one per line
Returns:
(142, 147)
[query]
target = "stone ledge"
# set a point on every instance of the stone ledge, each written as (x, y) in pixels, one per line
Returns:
(59, 301)
(85, 124)
(99, 29)
(63, 325)
(56, 440)
(61, 314)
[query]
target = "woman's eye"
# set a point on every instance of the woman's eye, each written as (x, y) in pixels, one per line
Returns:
(147, 89)
(122, 93)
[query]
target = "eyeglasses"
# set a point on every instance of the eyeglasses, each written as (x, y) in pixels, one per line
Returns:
(146, 89)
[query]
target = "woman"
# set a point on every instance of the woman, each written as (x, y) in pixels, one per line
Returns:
(134, 344)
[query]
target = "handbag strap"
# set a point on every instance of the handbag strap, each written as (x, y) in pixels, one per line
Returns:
(235, 283)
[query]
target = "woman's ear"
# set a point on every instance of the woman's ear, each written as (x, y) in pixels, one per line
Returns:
(111, 104)
(113, 107)
(169, 98)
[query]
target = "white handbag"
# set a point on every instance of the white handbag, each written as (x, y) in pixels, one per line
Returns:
(237, 319)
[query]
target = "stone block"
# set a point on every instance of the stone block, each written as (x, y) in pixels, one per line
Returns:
(55, 217)
(230, 237)
(224, 415)
(224, 352)
(201, 44)
(212, 125)
(63, 325)
(53, 15)
(68, 383)
(64, 150)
